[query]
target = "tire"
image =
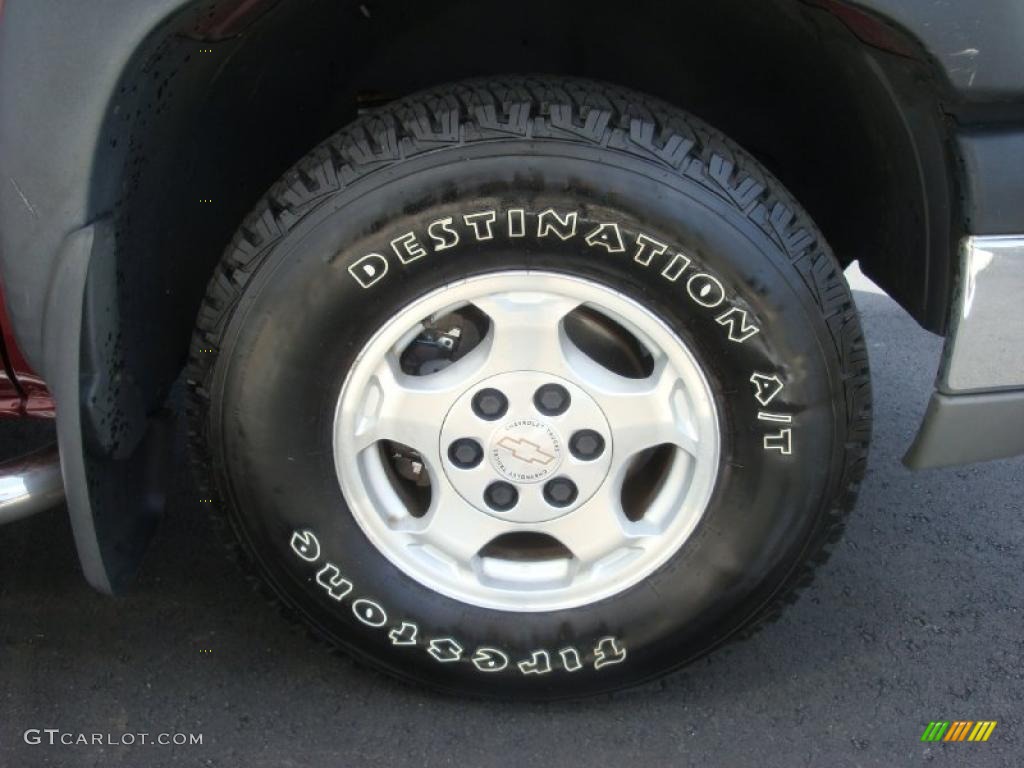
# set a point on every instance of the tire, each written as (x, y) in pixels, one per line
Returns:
(676, 238)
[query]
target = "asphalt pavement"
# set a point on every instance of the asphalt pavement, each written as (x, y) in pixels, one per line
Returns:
(917, 617)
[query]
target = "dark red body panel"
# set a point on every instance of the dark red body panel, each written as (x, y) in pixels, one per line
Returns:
(22, 392)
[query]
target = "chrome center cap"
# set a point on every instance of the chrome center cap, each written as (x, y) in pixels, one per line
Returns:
(526, 450)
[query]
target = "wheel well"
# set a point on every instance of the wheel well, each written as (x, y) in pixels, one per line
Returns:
(207, 116)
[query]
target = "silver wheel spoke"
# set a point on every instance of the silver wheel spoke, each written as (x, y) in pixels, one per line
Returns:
(408, 409)
(593, 531)
(643, 413)
(526, 331)
(457, 529)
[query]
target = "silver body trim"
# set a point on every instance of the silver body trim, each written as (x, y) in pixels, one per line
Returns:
(959, 429)
(985, 346)
(977, 410)
(30, 484)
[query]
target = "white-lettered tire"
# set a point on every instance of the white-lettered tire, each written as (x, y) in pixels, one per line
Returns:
(530, 387)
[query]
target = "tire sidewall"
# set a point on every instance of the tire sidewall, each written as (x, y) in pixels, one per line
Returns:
(304, 317)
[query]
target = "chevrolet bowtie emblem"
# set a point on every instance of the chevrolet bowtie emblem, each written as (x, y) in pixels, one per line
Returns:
(525, 450)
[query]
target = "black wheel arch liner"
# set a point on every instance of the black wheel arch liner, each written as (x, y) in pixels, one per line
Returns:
(61, 66)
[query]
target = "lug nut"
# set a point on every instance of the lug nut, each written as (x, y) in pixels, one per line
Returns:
(551, 399)
(490, 404)
(465, 453)
(501, 496)
(586, 444)
(560, 492)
